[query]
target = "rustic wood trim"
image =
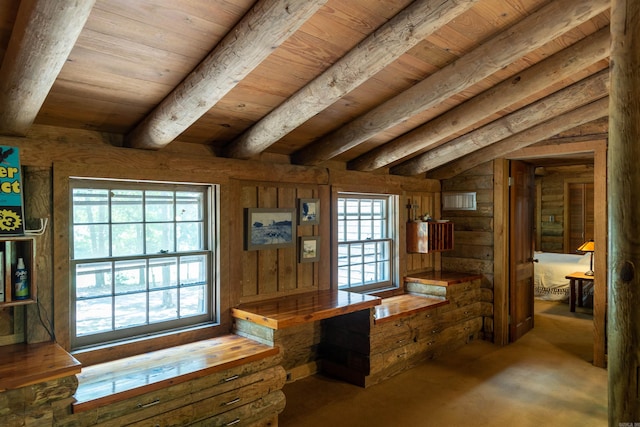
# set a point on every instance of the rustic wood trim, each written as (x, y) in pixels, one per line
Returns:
(532, 80)
(501, 252)
(61, 228)
(334, 241)
(525, 36)
(236, 243)
(43, 35)
(371, 55)
(323, 267)
(267, 25)
(538, 218)
(601, 262)
(93, 149)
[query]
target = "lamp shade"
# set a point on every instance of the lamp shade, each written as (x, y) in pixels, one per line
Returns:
(587, 246)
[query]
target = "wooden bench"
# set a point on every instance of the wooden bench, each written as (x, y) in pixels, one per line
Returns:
(404, 305)
(218, 381)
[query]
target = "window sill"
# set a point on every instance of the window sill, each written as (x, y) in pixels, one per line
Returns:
(116, 351)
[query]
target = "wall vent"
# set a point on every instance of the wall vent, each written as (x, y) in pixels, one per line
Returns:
(458, 201)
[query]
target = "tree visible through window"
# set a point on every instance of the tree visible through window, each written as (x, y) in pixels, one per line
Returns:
(141, 258)
(365, 241)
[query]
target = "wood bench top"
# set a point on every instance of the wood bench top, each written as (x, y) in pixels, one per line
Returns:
(404, 305)
(442, 278)
(26, 364)
(114, 381)
(301, 308)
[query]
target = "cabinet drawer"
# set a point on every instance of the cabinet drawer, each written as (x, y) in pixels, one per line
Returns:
(237, 404)
(182, 395)
(381, 343)
(248, 415)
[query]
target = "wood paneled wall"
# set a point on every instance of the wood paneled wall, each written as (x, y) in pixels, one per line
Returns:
(277, 272)
(425, 203)
(474, 234)
(551, 204)
(50, 155)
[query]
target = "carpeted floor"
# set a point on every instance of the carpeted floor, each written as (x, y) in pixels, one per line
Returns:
(545, 379)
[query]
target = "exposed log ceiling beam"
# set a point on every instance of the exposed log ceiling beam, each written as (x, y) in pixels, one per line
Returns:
(381, 48)
(532, 80)
(43, 35)
(569, 120)
(267, 25)
(548, 23)
(572, 97)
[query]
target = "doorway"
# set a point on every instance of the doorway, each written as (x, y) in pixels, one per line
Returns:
(598, 149)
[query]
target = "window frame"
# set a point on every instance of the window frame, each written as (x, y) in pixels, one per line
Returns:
(393, 233)
(210, 235)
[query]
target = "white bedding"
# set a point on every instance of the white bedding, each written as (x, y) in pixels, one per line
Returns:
(549, 275)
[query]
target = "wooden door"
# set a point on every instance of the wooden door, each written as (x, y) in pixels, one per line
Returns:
(521, 194)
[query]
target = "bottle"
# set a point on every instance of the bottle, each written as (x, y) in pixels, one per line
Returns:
(20, 282)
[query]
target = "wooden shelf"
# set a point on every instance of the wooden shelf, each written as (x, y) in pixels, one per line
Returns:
(424, 237)
(14, 248)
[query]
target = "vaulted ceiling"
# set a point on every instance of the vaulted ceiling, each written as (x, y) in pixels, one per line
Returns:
(410, 87)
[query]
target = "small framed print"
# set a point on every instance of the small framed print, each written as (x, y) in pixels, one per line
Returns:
(309, 248)
(309, 211)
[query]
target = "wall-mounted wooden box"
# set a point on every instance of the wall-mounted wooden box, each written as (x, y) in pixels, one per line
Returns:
(425, 237)
(13, 248)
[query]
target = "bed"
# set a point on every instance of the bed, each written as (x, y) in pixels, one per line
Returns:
(549, 279)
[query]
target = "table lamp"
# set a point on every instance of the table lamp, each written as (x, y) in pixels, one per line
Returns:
(588, 246)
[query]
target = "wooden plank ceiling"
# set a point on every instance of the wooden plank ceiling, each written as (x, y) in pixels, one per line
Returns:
(410, 87)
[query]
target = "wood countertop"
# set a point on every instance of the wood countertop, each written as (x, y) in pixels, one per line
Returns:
(26, 364)
(441, 278)
(301, 308)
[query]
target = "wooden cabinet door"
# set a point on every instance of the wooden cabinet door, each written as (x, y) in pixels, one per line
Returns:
(580, 211)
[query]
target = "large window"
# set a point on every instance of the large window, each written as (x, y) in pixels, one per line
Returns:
(141, 259)
(366, 231)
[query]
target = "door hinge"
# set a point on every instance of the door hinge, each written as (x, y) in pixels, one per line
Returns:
(510, 181)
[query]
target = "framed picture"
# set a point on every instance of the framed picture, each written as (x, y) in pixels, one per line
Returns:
(269, 228)
(309, 211)
(309, 248)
